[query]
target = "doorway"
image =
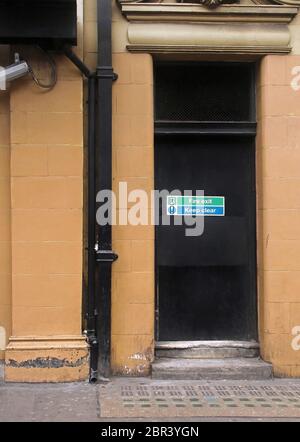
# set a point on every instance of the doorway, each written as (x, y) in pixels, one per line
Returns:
(205, 141)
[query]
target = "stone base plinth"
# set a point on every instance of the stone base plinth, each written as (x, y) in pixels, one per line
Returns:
(39, 359)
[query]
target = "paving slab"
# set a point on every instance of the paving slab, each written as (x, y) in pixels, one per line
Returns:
(147, 400)
(188, 399)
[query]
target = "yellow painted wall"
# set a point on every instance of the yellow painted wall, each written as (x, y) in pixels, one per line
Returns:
(5, 219)
(133, 274)
(47, 219)
(46, 171)
(46, 134)
(279, 212)
(45, 192)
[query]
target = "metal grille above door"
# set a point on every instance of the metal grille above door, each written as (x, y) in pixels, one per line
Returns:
(204, 92)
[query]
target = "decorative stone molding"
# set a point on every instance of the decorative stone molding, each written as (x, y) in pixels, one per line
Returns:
(282, 2)
(215, 3)
(210, 3)
(159, 26)
(191, 13)
(209, 38)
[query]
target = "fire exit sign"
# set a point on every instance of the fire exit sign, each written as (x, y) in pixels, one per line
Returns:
(196, 205)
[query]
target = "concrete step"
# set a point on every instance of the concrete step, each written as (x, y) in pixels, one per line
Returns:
(207, 349)
(211, 369)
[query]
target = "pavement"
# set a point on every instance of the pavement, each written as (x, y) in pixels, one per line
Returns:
(147, 400)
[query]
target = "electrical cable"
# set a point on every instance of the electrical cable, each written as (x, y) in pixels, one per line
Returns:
(52, 65)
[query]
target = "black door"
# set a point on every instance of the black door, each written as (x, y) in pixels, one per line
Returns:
(206, 285)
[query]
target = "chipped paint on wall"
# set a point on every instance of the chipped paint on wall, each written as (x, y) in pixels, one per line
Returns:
(47, 363)
(139, 357)
(138, 370)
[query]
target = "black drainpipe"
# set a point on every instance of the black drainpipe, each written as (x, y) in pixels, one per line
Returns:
(105, 256)
(98, 305)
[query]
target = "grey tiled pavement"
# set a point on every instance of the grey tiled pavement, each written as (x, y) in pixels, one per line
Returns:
(80, 402)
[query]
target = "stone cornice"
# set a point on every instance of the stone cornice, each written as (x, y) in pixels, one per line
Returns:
(220, 38)
(193, 13)
(161, 27)
(281, 2)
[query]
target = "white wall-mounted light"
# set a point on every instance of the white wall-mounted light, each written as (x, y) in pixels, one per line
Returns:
(13, 72)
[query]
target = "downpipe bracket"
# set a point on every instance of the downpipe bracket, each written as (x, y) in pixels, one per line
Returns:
(106, 73)
(106, 256)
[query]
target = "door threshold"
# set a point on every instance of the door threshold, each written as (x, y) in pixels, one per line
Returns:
(206, 344)
(207, 349)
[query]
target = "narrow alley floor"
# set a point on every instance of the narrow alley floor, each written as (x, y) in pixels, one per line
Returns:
(143, 399)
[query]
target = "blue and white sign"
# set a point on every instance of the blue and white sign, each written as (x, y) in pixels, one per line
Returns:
(196, 206)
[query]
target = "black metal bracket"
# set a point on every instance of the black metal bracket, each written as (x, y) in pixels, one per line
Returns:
(106, 256)
(106, 72)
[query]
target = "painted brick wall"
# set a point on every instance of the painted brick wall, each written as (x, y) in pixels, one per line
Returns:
(5, 219)
(279, 212)
(46, 171)
(133, 275)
